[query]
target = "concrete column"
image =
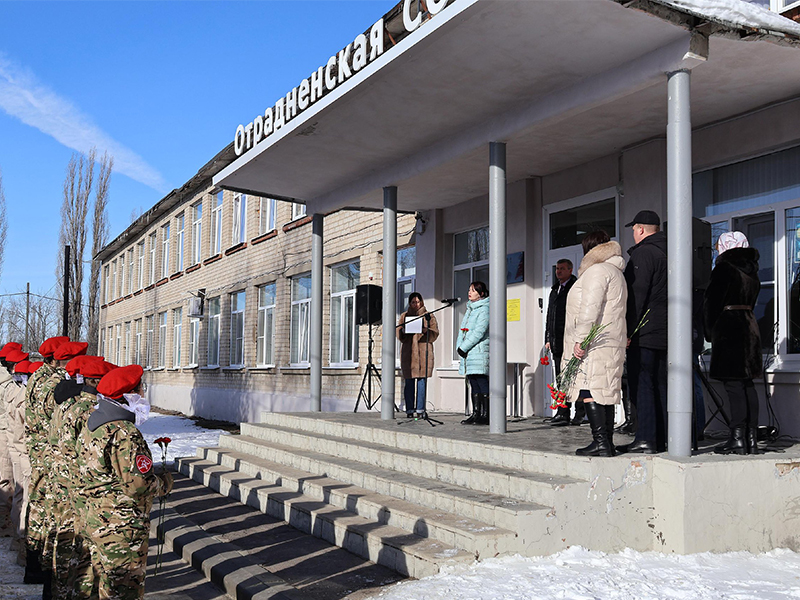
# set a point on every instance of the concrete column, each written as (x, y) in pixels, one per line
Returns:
(389, 301)
(315, 340)
(497, 287)
(679, 252)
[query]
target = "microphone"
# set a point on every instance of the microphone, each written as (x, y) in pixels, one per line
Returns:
(451, 300)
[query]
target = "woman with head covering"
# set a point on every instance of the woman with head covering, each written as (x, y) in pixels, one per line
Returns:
(732, 329)
(416, 353)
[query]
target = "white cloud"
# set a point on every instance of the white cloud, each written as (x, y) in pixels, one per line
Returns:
(25, 98)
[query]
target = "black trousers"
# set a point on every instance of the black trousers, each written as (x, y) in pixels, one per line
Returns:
(744, 402)
(647, 383)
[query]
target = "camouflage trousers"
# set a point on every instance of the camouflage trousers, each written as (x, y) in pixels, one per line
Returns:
(62, 543)
(118, 557)
(37, 518)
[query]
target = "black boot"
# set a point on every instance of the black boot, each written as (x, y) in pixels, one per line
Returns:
(752, 441)
(33, 569)
(600, 445)
(475, 410)
(736, 443)
(47, 588)
(580, 412)
(483, 414)
(610, 427)
(629, 425)
(562, 416)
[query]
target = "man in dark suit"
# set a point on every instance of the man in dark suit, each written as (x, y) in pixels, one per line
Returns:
(554, 330)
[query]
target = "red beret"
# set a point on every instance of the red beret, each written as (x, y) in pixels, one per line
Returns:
(97, 369)
(50, 345)
(76, 364)
(23, 366)
(69, 350)
(120, 381)
(16, 356)
(9, 347)
(34, 366)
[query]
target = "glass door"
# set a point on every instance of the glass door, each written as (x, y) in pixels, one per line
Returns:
(760, 232)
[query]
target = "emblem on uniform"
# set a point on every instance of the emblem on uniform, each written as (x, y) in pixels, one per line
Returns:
(144, 463)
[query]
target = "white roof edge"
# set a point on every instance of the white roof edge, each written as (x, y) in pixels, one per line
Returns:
(738, 13)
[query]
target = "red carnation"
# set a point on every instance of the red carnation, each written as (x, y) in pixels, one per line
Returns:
(545, 360)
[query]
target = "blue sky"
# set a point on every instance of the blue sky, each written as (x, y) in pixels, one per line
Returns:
(162, 85)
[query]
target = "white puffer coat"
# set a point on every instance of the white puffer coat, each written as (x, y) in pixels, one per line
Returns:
(599, 296)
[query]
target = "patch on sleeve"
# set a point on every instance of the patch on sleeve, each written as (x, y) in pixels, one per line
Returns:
(144, 463)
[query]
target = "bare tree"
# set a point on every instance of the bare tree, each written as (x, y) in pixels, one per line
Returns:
(42, 322)
(74, 212)
(99, 239)
(3, 224)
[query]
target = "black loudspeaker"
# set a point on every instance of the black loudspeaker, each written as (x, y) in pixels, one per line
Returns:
(369, 304)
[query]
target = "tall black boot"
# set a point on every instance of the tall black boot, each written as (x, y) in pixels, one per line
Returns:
(580, 412)
(600, 445)
(483, 415)
(610, 426)
(752, 441)
(475, 410)
(629, 425)
(736, 443)
(33, 569)
(47, 588)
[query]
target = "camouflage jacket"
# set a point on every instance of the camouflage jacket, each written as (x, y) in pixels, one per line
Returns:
(116, 478)
(34, 384)
(39, 406)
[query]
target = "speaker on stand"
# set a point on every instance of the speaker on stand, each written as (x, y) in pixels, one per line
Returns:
(369, 310)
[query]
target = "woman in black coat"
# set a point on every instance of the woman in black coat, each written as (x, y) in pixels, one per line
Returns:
(732, 329)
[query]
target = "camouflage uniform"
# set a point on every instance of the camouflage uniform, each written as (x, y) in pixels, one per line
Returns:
(39, 403)
(15, 432)
(117, 482)
(7, 387)
(73, 404)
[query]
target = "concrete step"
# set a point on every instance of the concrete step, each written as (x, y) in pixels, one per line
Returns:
(493, 509)
(527, 486)
(458, 442)
(406, 553)
(462, 532)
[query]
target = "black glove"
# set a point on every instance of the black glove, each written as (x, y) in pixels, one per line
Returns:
(67, 388)
(461, 353)
(427, 318)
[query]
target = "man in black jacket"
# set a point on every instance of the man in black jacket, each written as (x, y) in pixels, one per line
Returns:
(554, 330)
(646, 275)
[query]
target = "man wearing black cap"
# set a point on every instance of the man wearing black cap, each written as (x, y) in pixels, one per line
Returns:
(646, 275)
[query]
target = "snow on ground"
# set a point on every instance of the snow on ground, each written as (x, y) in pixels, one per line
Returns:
(574, 574)
(740, 13)
(185, 435)
(579, 574)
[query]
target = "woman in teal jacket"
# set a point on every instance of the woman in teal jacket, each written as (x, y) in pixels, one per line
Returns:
(473, 348)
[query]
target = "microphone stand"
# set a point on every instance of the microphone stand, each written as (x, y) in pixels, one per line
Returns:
(425, 416)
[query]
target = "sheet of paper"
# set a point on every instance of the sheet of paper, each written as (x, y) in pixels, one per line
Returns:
(414, 326)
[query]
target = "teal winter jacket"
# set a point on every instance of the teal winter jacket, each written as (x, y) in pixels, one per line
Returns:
(474, 339)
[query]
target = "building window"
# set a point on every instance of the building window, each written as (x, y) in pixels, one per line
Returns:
(344, 339)
(113, 280)
(298, 210)
(266, 327)
(137, 348)
(194, 339)
(140, 265)
(239, 234)
(266, 215)
(406, 276)
(179, 249)
(197, 233)
(213, 332)
(149, 350)
(301, 315)
(470, 263)
(237, 328)
(165, 251)
(130, 271)
(177, 327)
(162, 339)
(216, 226)
(107, 286)
(103, 342)
(109, 350)
(152, 258)
(128, 348)
(122, 274)
(118, 349)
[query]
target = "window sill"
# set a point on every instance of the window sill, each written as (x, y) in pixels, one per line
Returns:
(300, 367)
(174, 369)
(156, 368)
(175, 276)
(233, 368)
(150, 287)
(213, 259)
(341, 367)
(210, 368)
(137, 292)
(298, 222)
(190, 367)
(162, 281)
(193, 268)
(261, 369)
(237, 248)
(264, 237)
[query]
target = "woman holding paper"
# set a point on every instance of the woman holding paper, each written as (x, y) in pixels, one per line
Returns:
(416, 331)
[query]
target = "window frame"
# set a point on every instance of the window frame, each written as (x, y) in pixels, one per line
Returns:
(457, 267)
(197, 233)
(177, 336)
(194, 342)
(237, 318)
(149, 321)
(214, 324)
(304, 310)
(140, 264)
(165, 243)
(239, 219)
(153, 250)
(342, 297)
(162, 340)
(181, 224)
(216, 225)
(266, 215)
(138, 343)
(299, 210)
(265, 340)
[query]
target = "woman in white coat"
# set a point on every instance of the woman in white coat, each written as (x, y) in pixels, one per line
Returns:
(599, 297)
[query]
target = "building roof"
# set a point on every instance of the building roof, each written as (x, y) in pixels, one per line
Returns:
(562, 83)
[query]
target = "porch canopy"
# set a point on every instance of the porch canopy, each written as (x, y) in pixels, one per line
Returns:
(535, 86)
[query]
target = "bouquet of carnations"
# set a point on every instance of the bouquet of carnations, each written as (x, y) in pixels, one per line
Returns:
(564, 381)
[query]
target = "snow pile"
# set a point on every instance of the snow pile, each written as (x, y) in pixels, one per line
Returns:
(578, 574)
(739, 13)
(185, 435)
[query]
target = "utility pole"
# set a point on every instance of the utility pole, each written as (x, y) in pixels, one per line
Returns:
(27, 314)
(65, 316)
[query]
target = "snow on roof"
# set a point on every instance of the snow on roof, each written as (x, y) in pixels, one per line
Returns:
(738, 13)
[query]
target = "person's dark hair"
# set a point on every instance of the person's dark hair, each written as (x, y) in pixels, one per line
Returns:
(480, 288)
(564, 261)
(416, 295)
(594, 238)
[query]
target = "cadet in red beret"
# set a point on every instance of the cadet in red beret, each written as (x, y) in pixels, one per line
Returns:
(119, 486)
(50, 345)
(69, 350)
(8, 388)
